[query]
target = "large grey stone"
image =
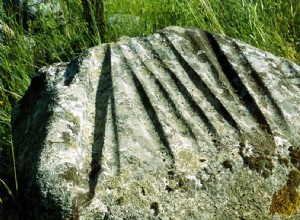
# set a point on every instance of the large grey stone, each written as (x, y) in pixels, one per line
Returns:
(183, 124)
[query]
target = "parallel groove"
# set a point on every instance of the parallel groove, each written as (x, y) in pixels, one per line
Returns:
(130, 117)
(166, 95)
(155, 67)
(150, 111)
(262, 87)
(104, 97)
(185, 93)
(201, 86)
(216, 74)
(238, 85)
(199, 44)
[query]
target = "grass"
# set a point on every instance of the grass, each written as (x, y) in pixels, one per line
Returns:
(272, 25)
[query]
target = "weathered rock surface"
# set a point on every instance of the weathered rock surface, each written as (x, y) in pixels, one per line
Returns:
(183, 124)
(35, 7)
(6, 33)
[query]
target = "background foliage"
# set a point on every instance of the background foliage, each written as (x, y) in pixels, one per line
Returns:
(272, 25)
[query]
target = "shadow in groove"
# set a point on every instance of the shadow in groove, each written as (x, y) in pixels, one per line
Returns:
(164, 92)
(238, 85)
(199, 84)
(199, 43)
(103, 96)
(262, 87)
(151, 112)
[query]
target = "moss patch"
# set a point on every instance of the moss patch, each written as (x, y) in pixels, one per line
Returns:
(75, 120)
(155, 207)
(286, 201)
(260, 164)
(263, 147)
(295, 157)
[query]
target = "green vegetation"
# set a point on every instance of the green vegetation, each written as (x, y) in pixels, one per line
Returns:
(272, 25)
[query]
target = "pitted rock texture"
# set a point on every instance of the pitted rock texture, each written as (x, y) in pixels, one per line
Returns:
(183, 124)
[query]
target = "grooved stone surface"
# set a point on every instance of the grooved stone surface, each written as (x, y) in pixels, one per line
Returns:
(182, 124)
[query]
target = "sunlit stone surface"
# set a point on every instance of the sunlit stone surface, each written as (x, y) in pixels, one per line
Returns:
(182, 124)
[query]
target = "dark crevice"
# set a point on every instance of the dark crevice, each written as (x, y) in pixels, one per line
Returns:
(115, 129)
(200, 43)
(238, 85)
(167, 97)
(150, 112)
(185, 93)
(187, 96)
(207, 57)
(261, 85)
(71, 71)
(201, 86)
(104, 93)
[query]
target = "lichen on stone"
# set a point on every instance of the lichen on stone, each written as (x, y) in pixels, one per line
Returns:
(295, 156)
(286, 201)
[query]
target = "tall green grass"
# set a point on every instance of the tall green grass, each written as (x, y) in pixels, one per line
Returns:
(272, 25)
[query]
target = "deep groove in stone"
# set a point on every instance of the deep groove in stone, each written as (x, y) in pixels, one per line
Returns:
(195, 42)
(166, 96)
(238, 85)
(261, 85)
(146, 102)
(103, 95)
(221, 110)
(115, 129)
(187, 96)
(201, 86)
(71, 71)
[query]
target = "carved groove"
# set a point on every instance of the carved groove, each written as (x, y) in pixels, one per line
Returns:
(202, 87)
(115, 130)
(104, 93)
(165, 93)
(198, 43)
(262, 87)
(151, 112)
(187, 96)
(238, 85)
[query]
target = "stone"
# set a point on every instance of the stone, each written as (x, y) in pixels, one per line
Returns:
(182, 124)
(43, 8)
(27, 12)
(35, 7)
(6, 33)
